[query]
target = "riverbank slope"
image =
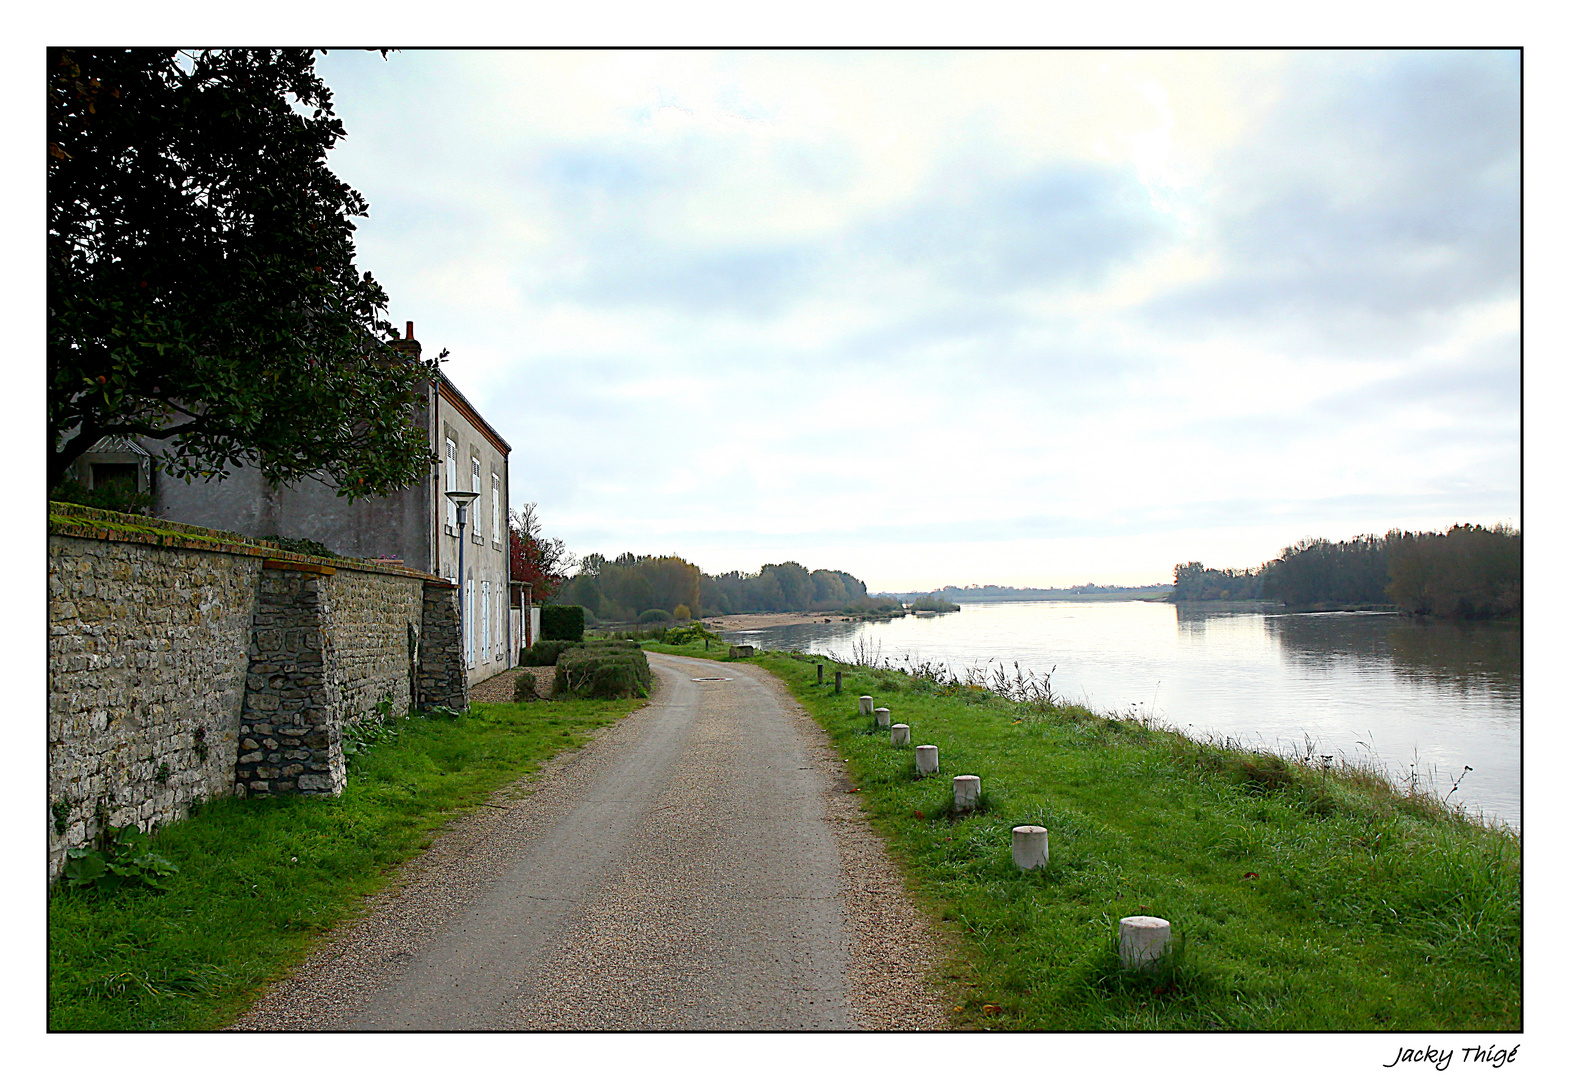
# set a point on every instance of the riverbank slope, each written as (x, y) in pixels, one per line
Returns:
(1301, 897)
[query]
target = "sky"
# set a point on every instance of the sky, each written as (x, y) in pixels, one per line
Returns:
(1030, 319)
(1034, 317)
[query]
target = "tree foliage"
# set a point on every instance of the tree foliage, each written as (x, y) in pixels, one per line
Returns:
(623, 588)
(1196, 581)
(1467, 572)
(202, 291)
(540, 562)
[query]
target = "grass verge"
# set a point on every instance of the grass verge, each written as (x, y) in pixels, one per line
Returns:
(1301, 898)
(261, 879)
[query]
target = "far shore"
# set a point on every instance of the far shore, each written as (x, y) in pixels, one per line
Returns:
(764, 621)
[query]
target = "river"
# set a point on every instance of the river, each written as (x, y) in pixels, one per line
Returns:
(1425, 698)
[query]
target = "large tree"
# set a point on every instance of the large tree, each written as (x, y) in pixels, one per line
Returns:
(202, 286)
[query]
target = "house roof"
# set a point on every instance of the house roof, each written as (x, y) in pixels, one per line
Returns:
(447, 390)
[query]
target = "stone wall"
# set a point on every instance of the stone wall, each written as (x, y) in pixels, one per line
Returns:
(443, 680)
(187, 664)
(147, 667)
(291, 726)
(376, 627)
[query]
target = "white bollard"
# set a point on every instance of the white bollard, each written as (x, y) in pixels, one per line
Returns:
(967, 792)
(926, 760)
(883, 717)
(864, 704)
(1030, 846)
(1142, 940)
(899, 735)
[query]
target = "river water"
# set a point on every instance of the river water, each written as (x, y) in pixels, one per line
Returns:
(1409, 696)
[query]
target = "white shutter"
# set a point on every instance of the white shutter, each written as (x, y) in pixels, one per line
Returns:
(485, 621)
(496, 509)
(474, 479)
(452, 483)
(468, 626)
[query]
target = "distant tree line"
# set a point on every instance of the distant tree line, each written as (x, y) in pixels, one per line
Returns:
(973, 593)
(1196, 581)
(1468, 572)
(629, 586)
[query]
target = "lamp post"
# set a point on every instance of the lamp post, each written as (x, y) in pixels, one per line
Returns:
(462, 499)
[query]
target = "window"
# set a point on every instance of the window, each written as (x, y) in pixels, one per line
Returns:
(485, 620)
(452, 485)
(474, 486)
(497, 533)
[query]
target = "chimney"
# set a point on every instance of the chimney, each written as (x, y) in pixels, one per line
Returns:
(406, 344)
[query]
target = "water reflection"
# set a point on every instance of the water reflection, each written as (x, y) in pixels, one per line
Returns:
(1468, 657)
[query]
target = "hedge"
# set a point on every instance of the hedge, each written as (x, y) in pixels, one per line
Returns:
(546, 651)
(602, 671)
(561, 622)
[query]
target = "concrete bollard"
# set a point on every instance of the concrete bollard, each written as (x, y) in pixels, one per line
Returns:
(899, 735)
(837, 676)
(864, 704)
(1142, 940)
(1030, 846)
(926, 760)
(883, 717)
(967, 792)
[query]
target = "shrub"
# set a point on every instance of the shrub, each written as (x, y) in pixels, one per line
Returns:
(561, 622)
(603, 672)
(299, 545)
(681, 613)
(524, 687)
(655, 615)
(118, 495)
(547, 651)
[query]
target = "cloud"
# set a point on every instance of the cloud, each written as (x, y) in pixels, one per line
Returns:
(1376, 198)
(1015, 300)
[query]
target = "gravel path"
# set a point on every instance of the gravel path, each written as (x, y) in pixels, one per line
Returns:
(500, 687)
(701, 865)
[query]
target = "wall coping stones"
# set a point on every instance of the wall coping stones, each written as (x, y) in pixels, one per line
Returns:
(91, 523)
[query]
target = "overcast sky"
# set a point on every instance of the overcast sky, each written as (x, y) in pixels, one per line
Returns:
(1028, 318)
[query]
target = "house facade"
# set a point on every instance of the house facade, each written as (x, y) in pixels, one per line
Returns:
(417, 526)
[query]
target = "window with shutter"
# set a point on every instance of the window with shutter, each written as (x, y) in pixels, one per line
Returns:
(485, 620)
(452, 485)
(497, 533)
(479, 519)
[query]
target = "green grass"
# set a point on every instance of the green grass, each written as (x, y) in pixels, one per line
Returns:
(262, 879)
(1301, 899)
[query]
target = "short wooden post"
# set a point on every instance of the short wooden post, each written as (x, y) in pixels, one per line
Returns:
(820, 674)
(837, 676)
(883, 717)
(899, 735)
(967, 792)
(1142, 940)
(1030, 846)
(864, 705)
(926, 760)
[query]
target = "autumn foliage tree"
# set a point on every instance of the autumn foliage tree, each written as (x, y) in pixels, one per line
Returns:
(541, 563)
(202, 289)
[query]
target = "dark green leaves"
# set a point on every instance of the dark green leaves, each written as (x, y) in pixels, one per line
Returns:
(202, 286)
(120, 859)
